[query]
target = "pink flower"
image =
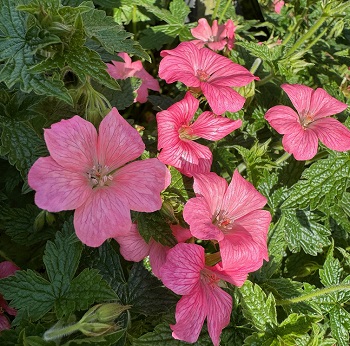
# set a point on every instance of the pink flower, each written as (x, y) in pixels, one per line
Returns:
(177, 132)
(205, 71)
(312, 122)
(278, 5)
(215, 37)
(231, 215)
(126, 69)
(185, 273)
(88, 172)
(7, 268)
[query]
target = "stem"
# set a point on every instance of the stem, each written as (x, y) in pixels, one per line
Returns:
(312, 295)
(282, 158)
(59, 333)
(265, 80)
(255, 65)
(215, 13)
(309, 34)
(297, 25)
(241, 167)
(228, 3)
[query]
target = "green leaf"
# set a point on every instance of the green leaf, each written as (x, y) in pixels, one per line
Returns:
(303, 231)
(103, 340)
(259, 309)
(322, 184)
(17, 52)
(262, 51)
(340, 324)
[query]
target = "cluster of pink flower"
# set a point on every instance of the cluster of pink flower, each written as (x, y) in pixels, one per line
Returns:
(89, 172)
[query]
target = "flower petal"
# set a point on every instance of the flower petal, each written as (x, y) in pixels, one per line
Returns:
(4, 323)
(157, 257)
(118, 141)
(72, 143)
(57, 188)
(302, 144)
(222, 98)
(132, 246)
(241, 198)
(202, 31)
(214, 127)
(190, 314)
(236, 275)
(181, 271)
(104, 215)
(140, 183)
(7, 268)
(283, 119)
(332, 133)
(300, 95)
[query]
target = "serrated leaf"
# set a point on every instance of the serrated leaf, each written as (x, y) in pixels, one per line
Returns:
(340, 324)
(322, 183)
(303, 231)
(17, 52)
(258, 308)
(87, 288)
(331, 273)
(262, 51)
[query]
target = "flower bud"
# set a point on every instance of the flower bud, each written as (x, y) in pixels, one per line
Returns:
(104, 313)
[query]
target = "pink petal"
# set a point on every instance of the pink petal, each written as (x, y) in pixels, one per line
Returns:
(132, 246)
(190, 314)
(104, 215)
(72, 143)
(181, 271)
(122, 70)
(300, 95)
(236, 275)
(212, 188)
(4, 323)
(118, 141)
(214, 127)
(324, 105)
(302, 144)
(222, 99)
(181, 234)
(332, 133)
(241, 198)
(197, 213)
(278, 6)
(202, 31)
(283, 119)
(230, 33)
(157, 257)
(148, 82)
(57, 188)
(140, 184)
(217, 45)
(7, 268)
(219, 307)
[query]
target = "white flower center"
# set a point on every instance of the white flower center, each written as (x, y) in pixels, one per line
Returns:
(99, 176)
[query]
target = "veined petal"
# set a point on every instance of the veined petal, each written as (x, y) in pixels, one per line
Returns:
(157, 257)
(302, 144)
(222, 99)
(219, 308)
(4, 323)
(198, 215)
(118, 141)
(324, 105)
(181, 271)
(132, 246)
(140, 183)
(191, 311)
(300, 95)
(212, 187)
(202, 31)
(57, 188)
(236, 275)
(72, 143)
(241, 198)
(7, 268)
(332, 133)
(214, 127)
(181, 234)
(104, 215)
(283, 119)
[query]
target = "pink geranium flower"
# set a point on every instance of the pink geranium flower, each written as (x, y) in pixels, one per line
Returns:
(278, 4)
(230, 215)
(126, 69)
(88, 172)
(311, 122)
(205, 71)
(185, 273)
(177, 132)
(215, 37)
(7, 268)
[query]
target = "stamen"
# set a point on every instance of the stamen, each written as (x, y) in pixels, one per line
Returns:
(99, 176)
(202, 75)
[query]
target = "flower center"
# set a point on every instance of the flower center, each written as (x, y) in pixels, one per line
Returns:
(98, 175)
(223, 222)
(186, 132)
(202, 75)
(306, 119)
(209, 278)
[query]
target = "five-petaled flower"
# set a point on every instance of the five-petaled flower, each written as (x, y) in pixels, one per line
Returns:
(231, 216)
(88, 172)
(203, 70)
(312, 122)
(126, 69)
(177, 132)
(215, 37)
(7, 268)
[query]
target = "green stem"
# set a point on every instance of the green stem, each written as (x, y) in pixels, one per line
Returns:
(60, 332)
(228, 3)
(296, 26)
(255, 65)
(134, 20)
(283, 158)
(308, 35)
(265, 80)
(241, 167)
(215, 13)
(321, 292)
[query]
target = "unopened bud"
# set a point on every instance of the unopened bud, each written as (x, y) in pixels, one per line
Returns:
(104, 313)
(96, 328)
(39, 221)
(50, 218)
(167, 210)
